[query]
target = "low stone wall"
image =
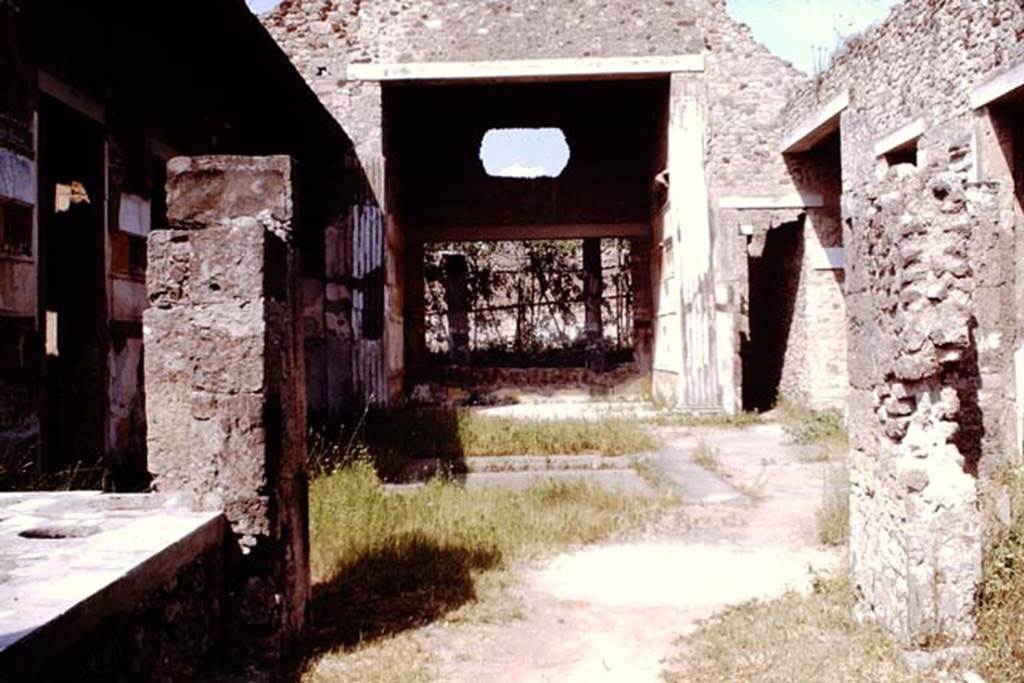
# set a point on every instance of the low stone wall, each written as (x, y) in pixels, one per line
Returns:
(468, 385)
(177, 632)
(100, 587)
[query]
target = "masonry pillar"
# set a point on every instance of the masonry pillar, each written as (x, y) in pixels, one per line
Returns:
(703, 329)
(456, 294)
(225, 395)
(593, 285)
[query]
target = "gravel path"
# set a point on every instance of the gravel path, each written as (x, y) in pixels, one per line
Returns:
(612, 612)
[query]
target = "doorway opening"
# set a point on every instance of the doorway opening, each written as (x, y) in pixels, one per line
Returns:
(774, 284)
(72, 286)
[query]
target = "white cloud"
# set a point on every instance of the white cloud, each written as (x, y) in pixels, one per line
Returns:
(524, 152)
(522, 171)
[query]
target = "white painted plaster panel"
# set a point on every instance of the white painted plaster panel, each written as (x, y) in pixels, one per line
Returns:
(526, 68)
(900, 137)
(826, 258)
(796, 200)
(17, 177)
(998, 86)
(129, 299)
(1018, 368)
(690, 216)
(134, 215)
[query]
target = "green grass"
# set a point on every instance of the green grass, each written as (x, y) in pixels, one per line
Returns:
(391, 437)
(1000, 610)
(19, 472)
(353, 516)
(794, 639)
(691, 420)
(385, 562)
(823, 428)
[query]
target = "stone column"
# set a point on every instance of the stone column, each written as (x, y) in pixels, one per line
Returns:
(704, 381)
(456, 295)
(593, 286)
(225, 395)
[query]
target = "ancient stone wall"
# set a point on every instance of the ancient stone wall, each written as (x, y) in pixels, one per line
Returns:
(932, 308)
(224, 370)
(500, 385)
(744, 88)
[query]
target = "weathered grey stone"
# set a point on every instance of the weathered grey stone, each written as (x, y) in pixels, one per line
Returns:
(225, 378)
(205, 191)
(933, 303)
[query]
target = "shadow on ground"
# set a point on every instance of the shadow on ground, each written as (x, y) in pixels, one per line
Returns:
(390, 438)
(410, 583)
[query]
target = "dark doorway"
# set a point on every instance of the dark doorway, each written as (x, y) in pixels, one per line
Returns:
(774, 283)
(72, 287)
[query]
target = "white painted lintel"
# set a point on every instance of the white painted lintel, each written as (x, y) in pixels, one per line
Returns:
(899, 137)
(998, 86)
(806, 200)
(817, 126)
(527, 69)
(490, 233)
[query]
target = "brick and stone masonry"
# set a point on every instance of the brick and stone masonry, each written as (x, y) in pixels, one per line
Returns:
(933, 313)
(224, 371)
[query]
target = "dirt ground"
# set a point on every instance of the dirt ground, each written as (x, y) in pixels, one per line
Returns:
(611, 612)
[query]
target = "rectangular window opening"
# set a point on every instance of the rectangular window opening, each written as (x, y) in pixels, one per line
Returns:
(15, 229)
(904, 154)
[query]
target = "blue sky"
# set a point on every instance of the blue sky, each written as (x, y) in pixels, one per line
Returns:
(262, 5)
(802, 30)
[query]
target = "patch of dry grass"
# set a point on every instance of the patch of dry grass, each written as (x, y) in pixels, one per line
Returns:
(384, 563)
(707, 457)
(392, 437)
(676, 419)
(794, 639)
(1000, 611)
(833, 517)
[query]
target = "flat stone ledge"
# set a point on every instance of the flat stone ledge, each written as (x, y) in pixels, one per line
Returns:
(69, 561)
(900, 137)
(998, 86)
(817, 126)
(796, 200)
